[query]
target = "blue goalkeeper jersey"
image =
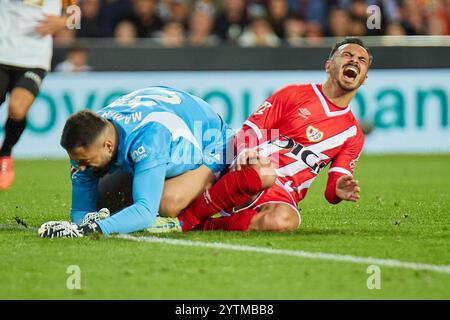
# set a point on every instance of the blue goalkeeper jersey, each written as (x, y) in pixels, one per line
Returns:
(163, 132)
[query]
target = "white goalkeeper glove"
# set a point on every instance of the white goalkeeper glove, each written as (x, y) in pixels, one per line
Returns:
(95, 216)
(66, 229)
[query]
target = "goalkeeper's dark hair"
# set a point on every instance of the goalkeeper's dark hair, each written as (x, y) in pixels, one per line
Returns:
(347, 40)
(82, 129)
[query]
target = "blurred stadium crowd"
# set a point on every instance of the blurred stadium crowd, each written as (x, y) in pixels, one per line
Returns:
(244, 23)
(268, 23)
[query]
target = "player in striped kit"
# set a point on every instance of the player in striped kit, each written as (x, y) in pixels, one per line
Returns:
(301, 129)
(26, 28)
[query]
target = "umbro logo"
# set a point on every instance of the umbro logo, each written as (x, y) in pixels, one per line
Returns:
(304, 113)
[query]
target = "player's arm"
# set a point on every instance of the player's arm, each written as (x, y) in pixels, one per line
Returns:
(84, 193)
(150, 153)
(148, 185)
(147, 190)
(50, 24)
(341, 184)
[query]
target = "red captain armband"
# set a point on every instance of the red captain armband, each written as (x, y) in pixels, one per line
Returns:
(330, 191)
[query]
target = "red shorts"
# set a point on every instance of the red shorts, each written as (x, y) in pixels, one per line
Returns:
(275, 194)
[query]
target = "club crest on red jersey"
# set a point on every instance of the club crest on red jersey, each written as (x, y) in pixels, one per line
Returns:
(314, 134)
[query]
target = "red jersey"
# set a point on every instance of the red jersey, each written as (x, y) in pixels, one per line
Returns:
(301, 131)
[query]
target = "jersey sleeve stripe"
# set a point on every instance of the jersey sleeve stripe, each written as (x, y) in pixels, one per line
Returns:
(340, 170)
(255, 128)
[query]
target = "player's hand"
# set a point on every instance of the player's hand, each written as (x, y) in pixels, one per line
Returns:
(66, 229)
(59, 229)
(347, 188)
(50, 24)
(246, 158)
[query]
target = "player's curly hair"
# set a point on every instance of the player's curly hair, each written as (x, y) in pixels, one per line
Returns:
(348, 40)
(82, 129)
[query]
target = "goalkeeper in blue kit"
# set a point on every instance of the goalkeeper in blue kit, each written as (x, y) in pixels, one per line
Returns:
(173, 144)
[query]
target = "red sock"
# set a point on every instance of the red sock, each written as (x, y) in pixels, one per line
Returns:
(231, 190)
(236, 222)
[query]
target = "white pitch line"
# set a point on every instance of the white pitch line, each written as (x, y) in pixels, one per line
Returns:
(297, 253)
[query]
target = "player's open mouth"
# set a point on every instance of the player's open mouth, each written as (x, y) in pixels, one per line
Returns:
(350, 72)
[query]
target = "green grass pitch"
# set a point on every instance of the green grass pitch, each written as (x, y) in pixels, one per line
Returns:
(404, 214)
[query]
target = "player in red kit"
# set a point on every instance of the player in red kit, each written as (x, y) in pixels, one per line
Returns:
(301, 129)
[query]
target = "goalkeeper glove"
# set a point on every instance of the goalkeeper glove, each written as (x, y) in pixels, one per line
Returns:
(65, 229)
(95, 216)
